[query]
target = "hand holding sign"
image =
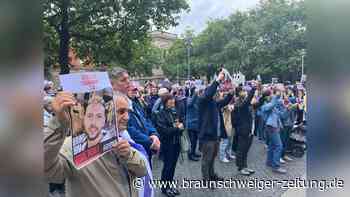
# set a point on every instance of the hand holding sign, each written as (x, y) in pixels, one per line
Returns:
(122, 148)
(60, 105)
(221, 76)
(93, 126)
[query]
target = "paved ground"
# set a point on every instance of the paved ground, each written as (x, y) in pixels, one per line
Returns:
(256, 160)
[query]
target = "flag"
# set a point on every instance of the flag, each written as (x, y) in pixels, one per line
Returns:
(147, 190)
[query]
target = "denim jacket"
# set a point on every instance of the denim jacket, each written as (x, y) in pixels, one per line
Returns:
(272, 113)
(287, 117)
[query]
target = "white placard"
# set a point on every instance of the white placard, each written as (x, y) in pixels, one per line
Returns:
(239, 78)
(84, 82)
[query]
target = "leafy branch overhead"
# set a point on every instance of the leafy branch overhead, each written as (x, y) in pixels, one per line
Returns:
(107, 30)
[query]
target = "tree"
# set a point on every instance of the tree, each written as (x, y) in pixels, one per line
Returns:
(288, 21)
(266, 40)
(107, 30)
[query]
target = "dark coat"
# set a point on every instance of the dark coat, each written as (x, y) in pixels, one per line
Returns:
(241, 116)
(150, 100)
(192, 114)
(165, 123)
(180, 105)
(140, 127)
(210, 113)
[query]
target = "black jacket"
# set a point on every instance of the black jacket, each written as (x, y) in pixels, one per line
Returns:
(165, 120)
(180, 105)
(241, 116)
(210, 113)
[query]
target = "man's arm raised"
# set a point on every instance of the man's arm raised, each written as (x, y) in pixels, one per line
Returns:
(56, 166)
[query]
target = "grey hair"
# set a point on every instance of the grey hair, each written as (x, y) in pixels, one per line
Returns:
(119, 95)
(116, 72)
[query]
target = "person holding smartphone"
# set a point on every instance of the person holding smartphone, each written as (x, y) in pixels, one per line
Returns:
(243, 124)
(211, 126)
(273, 126)
(170, 129)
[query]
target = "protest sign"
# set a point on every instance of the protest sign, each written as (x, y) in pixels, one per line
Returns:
(300, 86)
(274, 80)
(230, 81)
(239, 78)
(258, 78)
(303, 78)
(93, 118)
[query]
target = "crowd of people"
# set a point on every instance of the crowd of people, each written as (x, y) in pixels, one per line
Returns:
(217, 121)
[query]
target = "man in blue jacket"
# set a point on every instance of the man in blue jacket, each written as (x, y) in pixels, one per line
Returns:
(192, 122)
(272, 115)
(211, 127)
(140, 128)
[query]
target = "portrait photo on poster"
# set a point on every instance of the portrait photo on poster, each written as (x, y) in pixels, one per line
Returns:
(93, 118)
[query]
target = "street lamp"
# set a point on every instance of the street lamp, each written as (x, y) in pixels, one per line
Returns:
(188, 43)
(303, 53)
(177, 73)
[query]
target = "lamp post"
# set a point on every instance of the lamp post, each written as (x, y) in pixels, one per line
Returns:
(302, 65)
(177, 73)
(303, 53)
(188, 43)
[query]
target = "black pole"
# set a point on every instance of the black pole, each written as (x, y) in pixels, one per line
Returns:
(64, 39)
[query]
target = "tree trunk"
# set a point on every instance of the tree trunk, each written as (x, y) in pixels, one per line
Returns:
(64, 39)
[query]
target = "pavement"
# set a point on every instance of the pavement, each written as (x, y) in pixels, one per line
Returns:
(190, 170)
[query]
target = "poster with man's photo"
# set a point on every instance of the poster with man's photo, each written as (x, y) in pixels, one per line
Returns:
(93, 121)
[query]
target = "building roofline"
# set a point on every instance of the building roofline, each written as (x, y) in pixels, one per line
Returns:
(163, 35)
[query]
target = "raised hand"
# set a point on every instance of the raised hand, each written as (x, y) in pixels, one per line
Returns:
(221, 76)
(60, 105)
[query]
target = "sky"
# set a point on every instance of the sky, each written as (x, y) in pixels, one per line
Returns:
(204, 10)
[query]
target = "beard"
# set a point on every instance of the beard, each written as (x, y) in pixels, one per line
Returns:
(96, 133)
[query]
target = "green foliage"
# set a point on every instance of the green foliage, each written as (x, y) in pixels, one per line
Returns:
(110, 31)
(266, 40)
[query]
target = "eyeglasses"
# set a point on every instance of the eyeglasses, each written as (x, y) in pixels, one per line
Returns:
(123, 111)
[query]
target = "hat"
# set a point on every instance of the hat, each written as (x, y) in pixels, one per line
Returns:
(162, 91)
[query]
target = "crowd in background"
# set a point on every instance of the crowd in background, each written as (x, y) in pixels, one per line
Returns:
(217, 120)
